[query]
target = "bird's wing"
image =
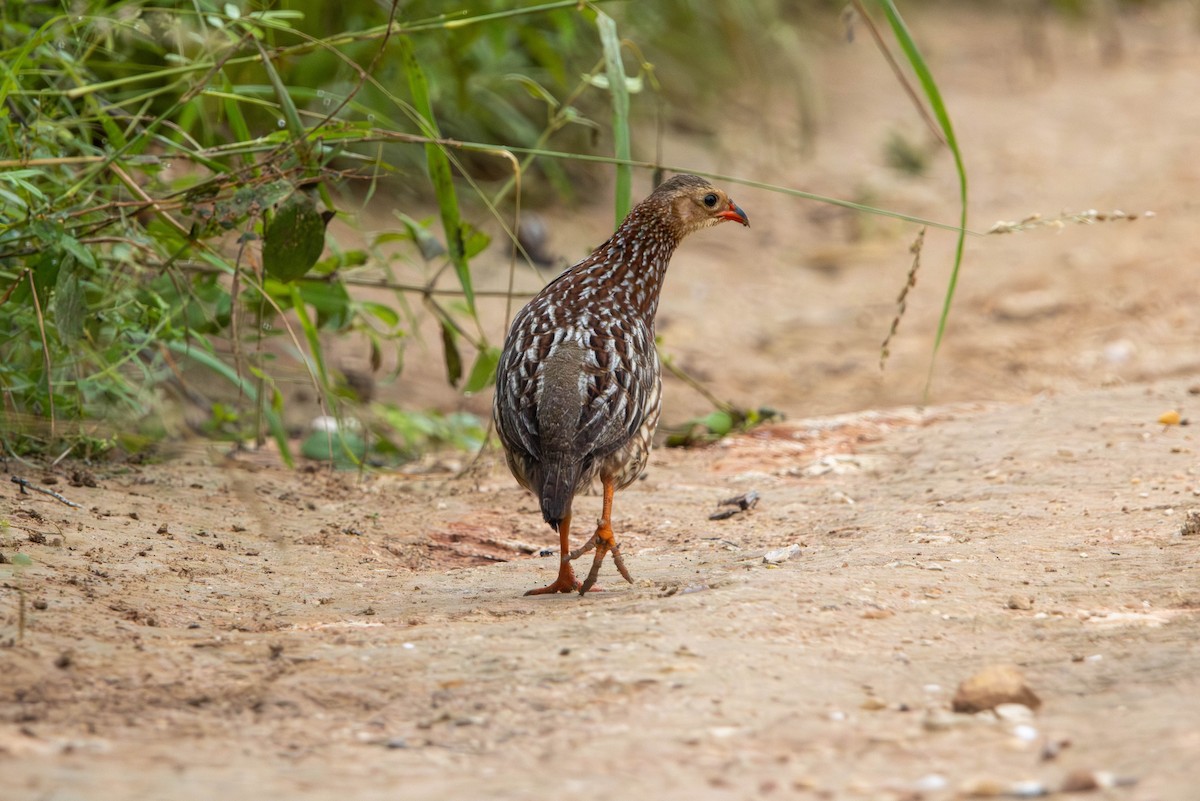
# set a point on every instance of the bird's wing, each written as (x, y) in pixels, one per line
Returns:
(514, 407)
(621, 377)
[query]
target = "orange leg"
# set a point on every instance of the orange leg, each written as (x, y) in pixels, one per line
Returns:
(603, 541)
(566, 575)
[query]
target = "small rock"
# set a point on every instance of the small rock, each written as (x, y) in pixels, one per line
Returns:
(1025, 733)
(740, 503)
(1170, 418)
(1191, 523)
(781, 555)
(1019, 602)
(534, 236)
(1014, 713)
(931, 783)
(1053, 747)
(1029, 305)
(941, 720)
(1085, 781)
(993, 788)
(992, 686)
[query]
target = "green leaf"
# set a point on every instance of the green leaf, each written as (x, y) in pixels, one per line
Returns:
(484, 370)
(68, 302)
(385, 314)
(535, 89)
(76, 249)
(427, 243)
(245, 386)
(439, 170)
(294, 239)
(346, 449)
(719, 422)
(291, 115)
(454, 365)
(475, 241)
(615, 70)
(335, 310)
(900, 30)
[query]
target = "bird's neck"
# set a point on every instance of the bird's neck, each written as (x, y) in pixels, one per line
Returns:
(629, 268)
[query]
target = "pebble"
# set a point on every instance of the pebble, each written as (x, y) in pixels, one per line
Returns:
(1014, 713)
(1020, 602)
(1025, 733)
(1191, 523)
(941, 720)
(1029, 305)
(992, 686)
(781, 555)
(1084, 781)
(992, 788)
(931, 783)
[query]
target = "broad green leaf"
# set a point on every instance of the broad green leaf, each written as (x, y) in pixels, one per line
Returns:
(294, 239)
(335, 311)
(454, 365)
(76, 249)
(475, 241)
(484, 370)
(385, 314)
(719, 423)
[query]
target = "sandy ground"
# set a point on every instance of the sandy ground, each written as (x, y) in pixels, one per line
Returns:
(223, 628)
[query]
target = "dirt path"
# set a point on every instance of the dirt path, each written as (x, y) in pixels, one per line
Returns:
(209, 629)
(288, 646)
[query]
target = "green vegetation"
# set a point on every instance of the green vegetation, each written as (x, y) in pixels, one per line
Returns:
(169, 170)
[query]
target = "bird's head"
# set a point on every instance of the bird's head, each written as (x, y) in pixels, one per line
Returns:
(693, 203)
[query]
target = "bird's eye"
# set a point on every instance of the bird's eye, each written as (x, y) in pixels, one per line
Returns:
(710, 199)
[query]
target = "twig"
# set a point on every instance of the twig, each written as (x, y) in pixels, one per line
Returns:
(419, 289)
(902, 300)
(25, 484)
(668, 362)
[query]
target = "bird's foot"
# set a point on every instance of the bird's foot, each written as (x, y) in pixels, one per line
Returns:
(603, 542)
(565, 582)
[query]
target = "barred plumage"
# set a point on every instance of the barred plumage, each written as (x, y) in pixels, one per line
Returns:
(578, 386)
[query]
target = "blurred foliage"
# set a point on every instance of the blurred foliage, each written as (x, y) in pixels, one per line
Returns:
(169, 170)
(717, 424)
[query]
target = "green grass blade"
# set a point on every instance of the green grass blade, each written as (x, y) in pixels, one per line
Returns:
(312, 337)
(943, 118)
(291, 115)
(246, 386)
(439, 172)
(615, 71)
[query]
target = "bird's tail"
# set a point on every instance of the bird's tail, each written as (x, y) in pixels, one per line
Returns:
(559, 480)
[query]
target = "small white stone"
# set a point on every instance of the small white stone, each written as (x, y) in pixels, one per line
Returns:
(931, 783)
(1025, 732)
